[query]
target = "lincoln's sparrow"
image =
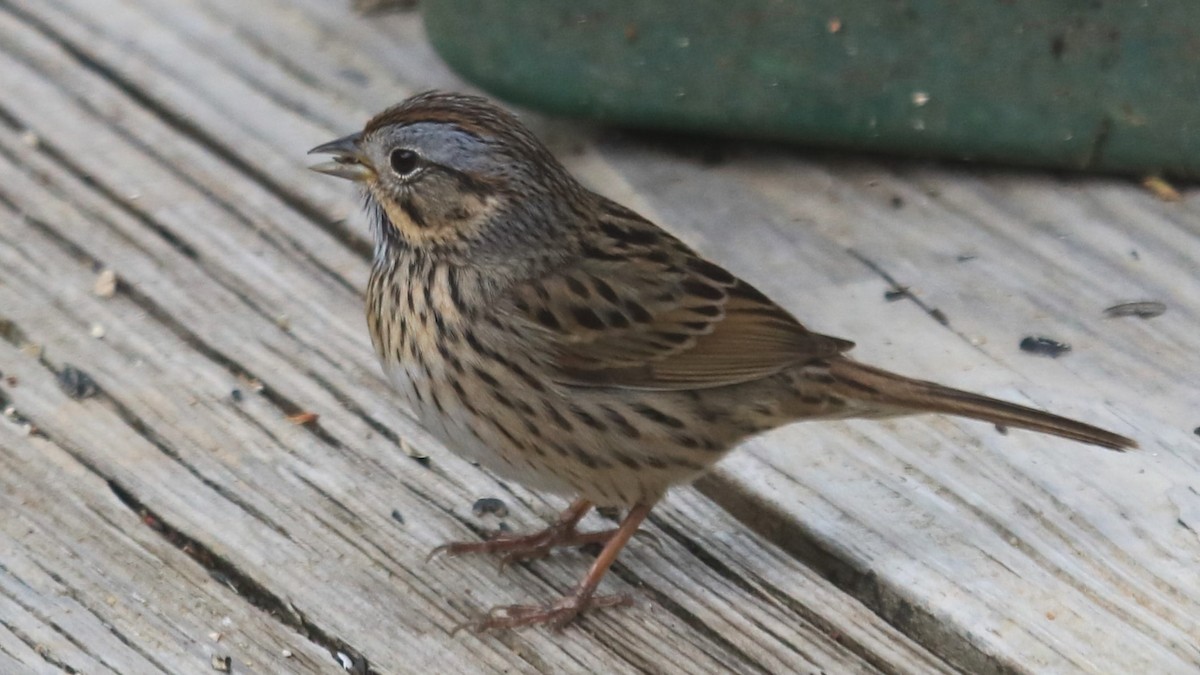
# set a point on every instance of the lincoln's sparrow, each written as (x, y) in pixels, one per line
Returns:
(567, 343)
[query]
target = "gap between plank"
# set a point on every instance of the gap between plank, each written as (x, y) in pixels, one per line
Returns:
(798, 541)
(880, 600)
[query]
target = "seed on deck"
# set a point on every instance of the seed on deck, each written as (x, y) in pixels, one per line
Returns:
(489, 506)
(76, 383)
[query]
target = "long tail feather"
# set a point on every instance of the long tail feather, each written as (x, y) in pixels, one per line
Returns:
(880, 386)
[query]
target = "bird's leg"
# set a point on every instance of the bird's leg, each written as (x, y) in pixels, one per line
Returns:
(560, 613)
(516, 547)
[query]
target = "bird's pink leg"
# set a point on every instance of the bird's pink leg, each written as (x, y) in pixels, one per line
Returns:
(562, 612)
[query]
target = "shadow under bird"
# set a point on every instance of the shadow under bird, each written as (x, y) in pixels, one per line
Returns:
(567, 343)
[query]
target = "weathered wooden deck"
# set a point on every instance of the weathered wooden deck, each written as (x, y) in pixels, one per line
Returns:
(164, 523)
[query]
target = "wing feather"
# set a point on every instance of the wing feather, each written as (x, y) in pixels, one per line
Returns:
(639, 309)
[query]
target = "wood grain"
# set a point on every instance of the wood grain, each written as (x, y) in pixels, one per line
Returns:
(230, 281)
(165, 141)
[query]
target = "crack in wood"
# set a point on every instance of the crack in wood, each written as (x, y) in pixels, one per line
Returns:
(7, 653)
(374, 424)
(284, 404)
(190, 129)
(245, 586)
(346, 512)
(280, 402)
(508, 639)
(131, 419)
(14, 123)
(59, 630)
(915, 622)
(691, 620)
(481, 532)
(107, 47)
(145, 219)
(139, 426)
(13, 334)
(1007, 534)
(353, 408)
(38, 648)
(933, 312)
(63, 159)
(155, 311)
(218, 567)
(70, 592)
(622, 572)
(724, 571)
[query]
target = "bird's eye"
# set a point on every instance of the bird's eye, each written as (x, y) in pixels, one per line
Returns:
(404, 162)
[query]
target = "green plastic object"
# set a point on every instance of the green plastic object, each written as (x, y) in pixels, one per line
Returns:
(1109, 86)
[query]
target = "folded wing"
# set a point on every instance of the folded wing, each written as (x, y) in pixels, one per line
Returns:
(642, 310)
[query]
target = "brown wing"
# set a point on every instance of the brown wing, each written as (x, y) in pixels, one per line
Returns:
(641, 310)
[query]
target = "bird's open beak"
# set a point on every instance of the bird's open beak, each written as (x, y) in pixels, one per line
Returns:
(348, 161)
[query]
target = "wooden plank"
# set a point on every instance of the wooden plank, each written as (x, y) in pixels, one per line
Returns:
(998, 553)
(227, 278)
(84, 587)
(1031, 559)
(1004, 541)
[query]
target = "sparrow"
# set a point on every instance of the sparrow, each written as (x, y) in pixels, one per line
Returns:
(565, 342)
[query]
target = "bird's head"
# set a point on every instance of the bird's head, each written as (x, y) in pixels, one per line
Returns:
(456, 172)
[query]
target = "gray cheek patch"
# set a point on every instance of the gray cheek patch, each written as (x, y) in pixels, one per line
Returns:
(445, 145)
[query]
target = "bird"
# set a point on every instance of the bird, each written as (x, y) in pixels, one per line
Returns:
(566, 343)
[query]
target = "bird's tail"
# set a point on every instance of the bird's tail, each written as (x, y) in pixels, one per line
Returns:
(890, 390)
